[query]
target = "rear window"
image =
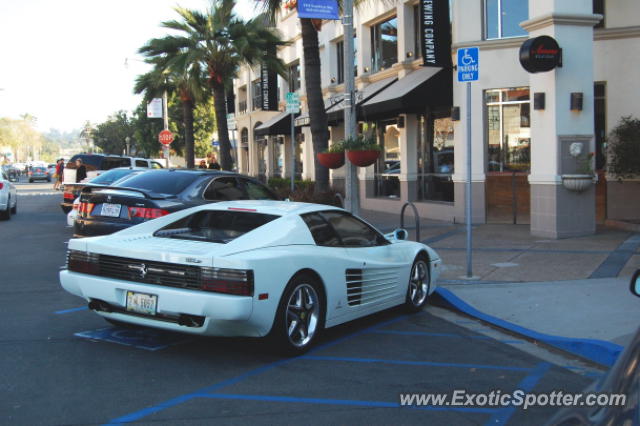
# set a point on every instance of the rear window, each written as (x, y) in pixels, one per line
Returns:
(88, 160)
(162, 182)
(215, 226)
(111, 176)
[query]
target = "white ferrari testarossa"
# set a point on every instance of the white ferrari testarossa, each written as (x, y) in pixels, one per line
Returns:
(250, 268)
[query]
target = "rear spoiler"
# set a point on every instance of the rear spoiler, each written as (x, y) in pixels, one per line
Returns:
(149, 195)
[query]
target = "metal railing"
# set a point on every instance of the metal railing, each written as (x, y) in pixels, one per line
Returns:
(416, 216)
(340, 198)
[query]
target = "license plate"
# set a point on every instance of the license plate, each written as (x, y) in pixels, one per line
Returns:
(142, 303)
(111, 210)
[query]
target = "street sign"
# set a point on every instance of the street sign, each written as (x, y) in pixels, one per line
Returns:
(468, 67)
(231, 122)
(293, 102)
(154, 108)
(165, 137)
(318, 9)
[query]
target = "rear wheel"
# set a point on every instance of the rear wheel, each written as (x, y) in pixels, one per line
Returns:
(300, 316)
(419, 282)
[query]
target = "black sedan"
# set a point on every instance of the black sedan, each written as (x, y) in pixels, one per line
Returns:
(155, 193)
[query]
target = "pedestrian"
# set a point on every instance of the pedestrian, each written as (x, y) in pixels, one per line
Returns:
(203, 164)
(213, 161)
(81, 171)
(59, 174)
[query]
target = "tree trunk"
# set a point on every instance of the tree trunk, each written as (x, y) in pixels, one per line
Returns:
(317, 114)
(187, 112)
(220, 106)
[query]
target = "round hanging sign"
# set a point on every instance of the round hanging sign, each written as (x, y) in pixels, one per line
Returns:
(540, 54)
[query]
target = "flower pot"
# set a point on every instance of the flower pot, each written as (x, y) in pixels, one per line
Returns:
(577, 183)
(363, 158)
(331, 160)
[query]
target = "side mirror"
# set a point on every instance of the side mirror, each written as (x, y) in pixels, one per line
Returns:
(398, 235)
(635, 283)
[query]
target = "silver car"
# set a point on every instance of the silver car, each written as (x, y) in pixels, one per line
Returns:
(8, 197)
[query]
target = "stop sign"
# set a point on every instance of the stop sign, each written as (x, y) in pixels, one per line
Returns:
(165, 137)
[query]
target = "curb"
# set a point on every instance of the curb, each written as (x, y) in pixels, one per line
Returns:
(599, 351)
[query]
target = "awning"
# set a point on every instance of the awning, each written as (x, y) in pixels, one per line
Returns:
(279, 124)
(427, 86)
(336, 112)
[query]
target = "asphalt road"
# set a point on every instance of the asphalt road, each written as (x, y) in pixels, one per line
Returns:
(60, 364)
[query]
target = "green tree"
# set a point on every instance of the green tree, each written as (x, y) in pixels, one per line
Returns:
(312, 75)
(111, 135)
(186, 80)
(221, 42)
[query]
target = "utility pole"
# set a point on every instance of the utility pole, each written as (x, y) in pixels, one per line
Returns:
(165, 116)
(352, 201)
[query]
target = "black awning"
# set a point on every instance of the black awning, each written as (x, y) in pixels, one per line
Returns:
(279, 124)
(335, 114)
(428, 86)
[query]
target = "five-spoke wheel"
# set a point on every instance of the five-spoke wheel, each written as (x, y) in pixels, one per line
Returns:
(418, 284)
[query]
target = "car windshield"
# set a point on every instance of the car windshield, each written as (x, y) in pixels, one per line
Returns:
(170, 182)
(111, 176)
(217, 226)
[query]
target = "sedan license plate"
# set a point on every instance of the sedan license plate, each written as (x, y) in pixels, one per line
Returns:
(142, 303)
(111, 210)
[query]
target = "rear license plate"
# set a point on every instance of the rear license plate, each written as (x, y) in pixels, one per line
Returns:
(111, 210)
(142, 303)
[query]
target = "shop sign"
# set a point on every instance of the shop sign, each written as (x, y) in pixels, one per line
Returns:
(435, 33)
(318, 9)
(540, 54)
(269, 88)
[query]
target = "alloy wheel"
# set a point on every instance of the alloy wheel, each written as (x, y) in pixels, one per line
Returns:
(303, 313)
(418, 283)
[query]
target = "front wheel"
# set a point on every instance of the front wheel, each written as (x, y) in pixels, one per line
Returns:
(300, 316)
(14, 210)
(419, 283)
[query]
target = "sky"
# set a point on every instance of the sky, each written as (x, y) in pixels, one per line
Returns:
(71, 61)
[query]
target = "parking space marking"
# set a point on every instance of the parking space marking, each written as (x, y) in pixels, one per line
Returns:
(527, 384)
(421, 363)
(68, 311)
(143, 338)
(351, 402)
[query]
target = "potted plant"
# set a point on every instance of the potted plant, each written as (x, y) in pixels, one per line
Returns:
(332, 158)
(584, 176)
(362, 150)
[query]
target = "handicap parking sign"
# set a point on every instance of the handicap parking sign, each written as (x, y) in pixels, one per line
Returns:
(468, 68)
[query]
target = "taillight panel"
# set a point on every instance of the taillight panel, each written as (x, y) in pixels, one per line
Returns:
(146, 213)
(83, 262)
(228, 281)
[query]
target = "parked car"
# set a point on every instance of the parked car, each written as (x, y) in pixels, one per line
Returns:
(12, 173)
(8, 197)
(113, 177)
(96, 164)
(250, 268)
(51, 168)
(38, 173)
(622, 379)
(156, 193)
(72, 191)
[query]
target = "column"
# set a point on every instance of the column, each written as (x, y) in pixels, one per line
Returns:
(557, 212)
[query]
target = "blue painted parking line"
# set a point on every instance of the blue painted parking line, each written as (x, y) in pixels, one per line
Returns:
(348, 402)
(617, 259)
(523, 250)
(237, 379)
(68, 311)
(143, 338)
(415, 363)
(527, 384)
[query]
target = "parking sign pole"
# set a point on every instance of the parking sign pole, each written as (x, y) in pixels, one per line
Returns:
(468, 197)
(293, 153)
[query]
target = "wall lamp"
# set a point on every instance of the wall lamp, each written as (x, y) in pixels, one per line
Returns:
(576, 101)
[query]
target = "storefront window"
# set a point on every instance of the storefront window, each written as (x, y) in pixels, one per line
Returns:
(388, 166)
(435, 159)
(384, 44)
(340, 59)
(278, 156)
(256, 95)
(503, 18)
(508, 130)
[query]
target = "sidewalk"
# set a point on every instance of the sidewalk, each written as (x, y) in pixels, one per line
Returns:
(571, 293)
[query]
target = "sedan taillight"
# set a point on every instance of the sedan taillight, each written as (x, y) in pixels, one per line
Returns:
(1, 185)
(83, 262)
(68, 196)
(146, 213)
(229, 281)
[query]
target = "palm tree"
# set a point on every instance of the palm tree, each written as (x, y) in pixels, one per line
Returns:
(187, 82)
(312, 75)
(221, 42)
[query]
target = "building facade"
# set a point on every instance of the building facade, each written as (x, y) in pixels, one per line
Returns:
(521, 150)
